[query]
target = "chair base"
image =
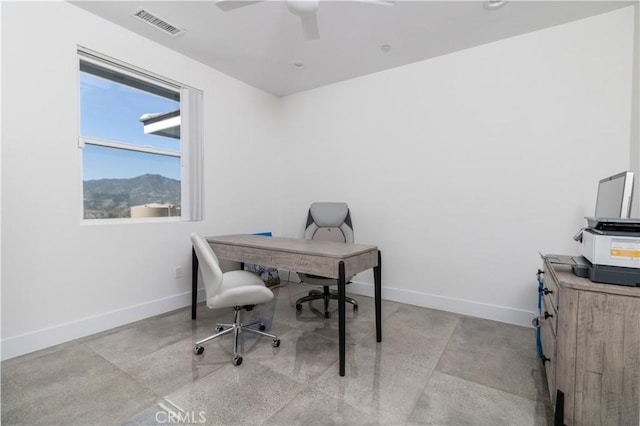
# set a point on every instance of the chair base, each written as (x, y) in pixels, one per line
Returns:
(325, 295)
(236, 327)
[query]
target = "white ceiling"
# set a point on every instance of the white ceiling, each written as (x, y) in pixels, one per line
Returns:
(260, 42)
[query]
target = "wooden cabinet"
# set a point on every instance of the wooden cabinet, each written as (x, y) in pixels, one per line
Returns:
(591, 337)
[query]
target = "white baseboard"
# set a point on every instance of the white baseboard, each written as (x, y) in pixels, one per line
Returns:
(459, 306)
(30, 342)
(51, 336)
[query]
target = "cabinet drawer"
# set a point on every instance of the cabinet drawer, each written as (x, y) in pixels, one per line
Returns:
(551, 286)
(549, 314)
(548, 339)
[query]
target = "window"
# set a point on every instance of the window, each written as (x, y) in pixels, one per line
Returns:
(137, 157)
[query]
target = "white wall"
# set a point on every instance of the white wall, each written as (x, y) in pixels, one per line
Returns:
(71, 279)
(635, 109)
(461, 168)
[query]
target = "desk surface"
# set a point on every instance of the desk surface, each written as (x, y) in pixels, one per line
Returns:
(295, 245)
(294, 254)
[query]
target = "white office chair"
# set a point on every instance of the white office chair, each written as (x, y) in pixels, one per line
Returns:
(237, 289)
(327, 222)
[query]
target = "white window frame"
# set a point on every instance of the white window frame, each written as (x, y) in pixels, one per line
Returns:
(191, 194)
(129, 147)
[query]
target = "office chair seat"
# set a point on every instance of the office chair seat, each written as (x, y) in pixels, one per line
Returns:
(240, 288)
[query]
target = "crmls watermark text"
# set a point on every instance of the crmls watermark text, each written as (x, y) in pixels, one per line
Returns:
(181, 417)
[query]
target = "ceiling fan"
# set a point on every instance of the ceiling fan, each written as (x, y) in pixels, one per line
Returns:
(305, 9)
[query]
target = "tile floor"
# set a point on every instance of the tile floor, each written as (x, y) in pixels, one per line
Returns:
(432, 367)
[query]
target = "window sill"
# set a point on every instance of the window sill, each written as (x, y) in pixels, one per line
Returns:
(130, 221)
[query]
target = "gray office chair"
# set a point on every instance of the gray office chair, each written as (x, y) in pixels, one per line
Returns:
(327, 222)
(237, 289)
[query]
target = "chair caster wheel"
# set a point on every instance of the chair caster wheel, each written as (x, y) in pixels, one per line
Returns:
(298, 307)
(237, 360)
(262, 327)
(327, 314)
(219, 328)
(276, 343)
(198, 350)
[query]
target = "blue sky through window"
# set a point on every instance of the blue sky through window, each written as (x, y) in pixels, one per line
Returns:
(112, 111)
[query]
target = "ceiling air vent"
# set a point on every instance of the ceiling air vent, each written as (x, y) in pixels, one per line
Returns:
(158, 23)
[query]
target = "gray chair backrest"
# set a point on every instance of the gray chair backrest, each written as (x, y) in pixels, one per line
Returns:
(329, 222)
(209, 265)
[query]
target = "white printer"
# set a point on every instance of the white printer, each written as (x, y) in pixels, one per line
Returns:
(610, 244)
(612, 251)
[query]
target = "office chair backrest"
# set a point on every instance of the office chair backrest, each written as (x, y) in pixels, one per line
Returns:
(209, 265)
(329, 222)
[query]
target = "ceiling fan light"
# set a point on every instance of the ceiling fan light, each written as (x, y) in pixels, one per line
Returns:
(493, 4)
(302, 7)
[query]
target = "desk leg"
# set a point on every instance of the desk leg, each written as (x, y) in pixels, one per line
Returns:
(341, 315)
(194, 283)
(377, 277)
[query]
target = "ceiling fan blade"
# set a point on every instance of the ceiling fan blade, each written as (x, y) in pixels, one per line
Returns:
(380, 2)
(310, 26)
(227, 5)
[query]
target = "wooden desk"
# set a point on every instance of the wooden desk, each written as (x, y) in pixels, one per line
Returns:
(325, 258)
